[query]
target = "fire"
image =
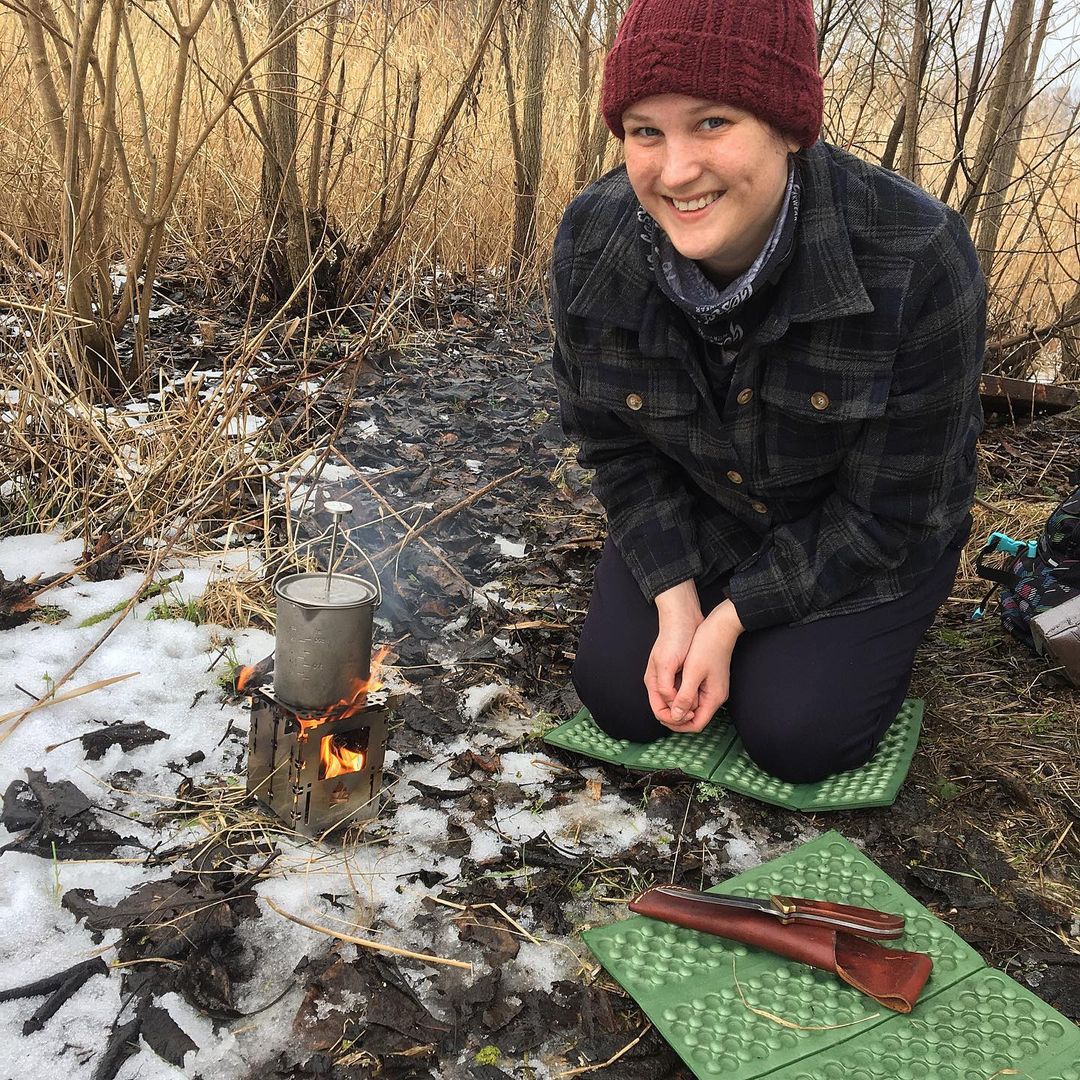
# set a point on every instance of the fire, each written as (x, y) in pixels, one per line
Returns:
(250, 677)
(356, 700)
(337, 758)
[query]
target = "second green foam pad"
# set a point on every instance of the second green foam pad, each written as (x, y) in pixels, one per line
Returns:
(717, 1002)
(717, 755)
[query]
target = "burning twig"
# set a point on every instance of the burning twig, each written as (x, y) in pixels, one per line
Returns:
(251, 677)
(366, 943)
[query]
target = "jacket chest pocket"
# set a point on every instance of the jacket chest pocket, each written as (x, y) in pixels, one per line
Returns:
(660, 403)
(811, 416)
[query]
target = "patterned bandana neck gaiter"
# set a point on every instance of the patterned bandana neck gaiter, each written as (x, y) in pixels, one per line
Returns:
(714, 311)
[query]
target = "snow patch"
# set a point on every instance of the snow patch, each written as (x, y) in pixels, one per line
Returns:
(477, 700)
(38, 553)
(511, 549)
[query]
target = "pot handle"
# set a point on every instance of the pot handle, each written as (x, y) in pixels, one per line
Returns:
(375, 575)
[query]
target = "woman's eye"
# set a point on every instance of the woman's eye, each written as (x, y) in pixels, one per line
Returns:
(646, 132)
(713, 123)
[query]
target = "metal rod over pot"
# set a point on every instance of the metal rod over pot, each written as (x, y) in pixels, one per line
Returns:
(336, 509)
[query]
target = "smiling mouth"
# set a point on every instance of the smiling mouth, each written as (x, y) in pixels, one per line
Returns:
(687, 206)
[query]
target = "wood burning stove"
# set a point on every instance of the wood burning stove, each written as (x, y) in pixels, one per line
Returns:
(317, 739)
(317, 773)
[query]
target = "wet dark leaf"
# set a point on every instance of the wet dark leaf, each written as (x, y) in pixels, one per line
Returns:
(103, 564)
(129, 736)
(54, 818)
(164, 1036)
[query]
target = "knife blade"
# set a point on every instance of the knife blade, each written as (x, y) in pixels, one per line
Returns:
(865, 922)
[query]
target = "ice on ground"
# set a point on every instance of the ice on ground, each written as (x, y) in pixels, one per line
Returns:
(528, 769)
(246, 425)
(329, 472)
(538, 967)
(600, 827)
(510, 548)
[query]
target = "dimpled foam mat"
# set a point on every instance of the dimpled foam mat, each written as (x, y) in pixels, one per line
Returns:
(716, 754)
(696, 755)
(877, 783)
(971, 1023)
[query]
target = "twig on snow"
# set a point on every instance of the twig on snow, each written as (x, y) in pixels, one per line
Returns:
(42, 703)
(365, 942)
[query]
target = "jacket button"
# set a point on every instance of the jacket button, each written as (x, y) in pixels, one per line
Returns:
(744, 396)
(820, 400)
(759, 507)
(634, 401)
(735, 477)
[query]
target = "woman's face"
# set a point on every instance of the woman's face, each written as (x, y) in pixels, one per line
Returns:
(712, 176)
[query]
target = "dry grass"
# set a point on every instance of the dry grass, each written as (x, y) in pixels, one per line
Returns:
(464, 218)
(239, 598)
(183, 466)
(1003, 741)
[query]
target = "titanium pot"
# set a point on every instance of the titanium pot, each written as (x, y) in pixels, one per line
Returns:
(323, 638)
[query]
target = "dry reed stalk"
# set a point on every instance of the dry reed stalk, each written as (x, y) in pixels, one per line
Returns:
(45, 702)
(858, 57)
(364, 167)
(611, 1060)
(766, 1015)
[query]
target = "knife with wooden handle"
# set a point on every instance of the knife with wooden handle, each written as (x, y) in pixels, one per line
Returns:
(865, 922)
(893, 977)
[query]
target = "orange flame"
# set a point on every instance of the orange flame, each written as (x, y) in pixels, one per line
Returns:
(251, 677)
(355, 701)
(337, 759)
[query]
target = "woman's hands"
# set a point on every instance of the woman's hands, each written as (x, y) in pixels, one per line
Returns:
(689, 667)
(680, 616)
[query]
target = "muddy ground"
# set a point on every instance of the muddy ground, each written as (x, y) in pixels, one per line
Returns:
(985, 832)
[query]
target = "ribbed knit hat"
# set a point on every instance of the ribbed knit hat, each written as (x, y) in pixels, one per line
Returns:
(758, 55)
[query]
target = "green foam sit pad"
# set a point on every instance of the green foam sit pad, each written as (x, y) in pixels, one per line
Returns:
(970, 1023)
(877, 783)
(696, 755)
(717, 755)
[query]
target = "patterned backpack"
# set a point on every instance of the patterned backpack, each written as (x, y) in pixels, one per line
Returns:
(1041, 574)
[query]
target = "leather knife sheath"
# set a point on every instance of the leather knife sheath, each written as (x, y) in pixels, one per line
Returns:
(892, 977)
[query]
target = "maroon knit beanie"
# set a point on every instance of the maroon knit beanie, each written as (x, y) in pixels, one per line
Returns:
(758, 55)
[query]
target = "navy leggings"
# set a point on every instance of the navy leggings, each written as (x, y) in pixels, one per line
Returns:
(807, 701)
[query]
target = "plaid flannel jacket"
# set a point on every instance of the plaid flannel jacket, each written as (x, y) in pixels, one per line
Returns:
(842, 461)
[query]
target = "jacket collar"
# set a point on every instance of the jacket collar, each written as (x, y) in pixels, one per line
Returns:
(619, 283)
(821, 282)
